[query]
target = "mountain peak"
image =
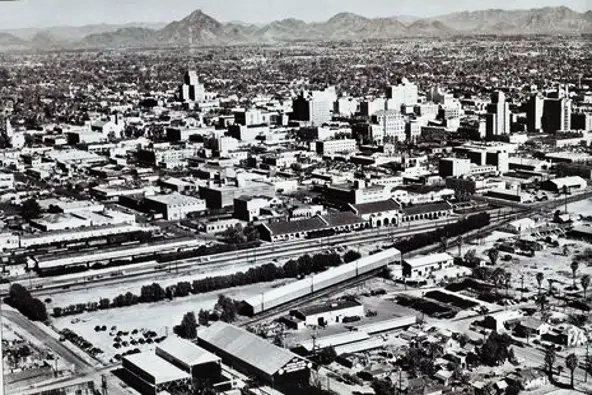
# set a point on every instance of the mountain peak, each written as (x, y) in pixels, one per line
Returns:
(344, 17)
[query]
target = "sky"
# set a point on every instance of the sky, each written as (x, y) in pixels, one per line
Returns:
(44, 13)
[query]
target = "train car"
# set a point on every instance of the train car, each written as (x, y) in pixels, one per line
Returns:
(298, 289)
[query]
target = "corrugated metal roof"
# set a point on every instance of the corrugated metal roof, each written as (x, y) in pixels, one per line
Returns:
(186, 352)
(155, 366)
(247, 347)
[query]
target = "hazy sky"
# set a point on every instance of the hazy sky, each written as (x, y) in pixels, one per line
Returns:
(43, 13)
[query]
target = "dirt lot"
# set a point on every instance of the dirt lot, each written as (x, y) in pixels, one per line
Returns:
(158, 317)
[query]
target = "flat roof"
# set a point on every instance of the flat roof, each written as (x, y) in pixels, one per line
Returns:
(155, 366)
(332, 306)
(428, 259)
(185, 351)
(175, 199)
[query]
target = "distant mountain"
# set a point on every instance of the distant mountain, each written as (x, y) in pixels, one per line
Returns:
(45, 40)
(549, 20)
(199, 28)
(77, 33)
(125, 37)
(429, 28)
(196, 28)
(9, 41)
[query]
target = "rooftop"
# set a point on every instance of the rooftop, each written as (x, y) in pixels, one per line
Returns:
(155, 366)
(175, 199)
(186, 352)
(427, 208)
(377, 207)
(428, 259)
(247, 347)
(326, 307)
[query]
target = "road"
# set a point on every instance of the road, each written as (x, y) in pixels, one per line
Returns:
(63, 352)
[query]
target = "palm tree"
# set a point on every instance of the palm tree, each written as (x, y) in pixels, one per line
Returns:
(585, 281)
(571, 361)
(550, 361)
(574, 269)
(493, 255)
(550, 281)
(540, 277)
(541, 301)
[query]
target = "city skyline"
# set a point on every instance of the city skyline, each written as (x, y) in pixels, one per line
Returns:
(52, 13)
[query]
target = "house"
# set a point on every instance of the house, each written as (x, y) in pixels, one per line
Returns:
(530, 327)
(528, 379)
(520, 225)
(444, 376)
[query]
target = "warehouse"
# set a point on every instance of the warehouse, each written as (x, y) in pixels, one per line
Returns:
(199, 363)
(333, 276)
(175, 206)
(329, 313)
(150, 374)
(424, 265)
(573, 183)
(254, 356)
(427, 211)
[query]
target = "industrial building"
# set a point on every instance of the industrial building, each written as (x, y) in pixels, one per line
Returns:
(329, 313)
(150, 374)
(317, 282)
(175, 206)
(571, 184)
(199, 363)
(424, 265)
(177, 364)
(254, 356)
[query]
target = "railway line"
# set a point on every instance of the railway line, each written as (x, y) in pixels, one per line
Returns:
(239, 260)
(265, 253)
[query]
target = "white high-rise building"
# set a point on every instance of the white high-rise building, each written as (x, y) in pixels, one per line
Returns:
(392, 124)
(404, 93)
(315, 107)
(192, 90)
(498, 115)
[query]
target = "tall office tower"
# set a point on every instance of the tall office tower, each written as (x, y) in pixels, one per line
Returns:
(498, 115)
(192, 90)
(581, 121)
(391, 123)
(404, 93)
(556, 114)
(315, 106)
(534, 113)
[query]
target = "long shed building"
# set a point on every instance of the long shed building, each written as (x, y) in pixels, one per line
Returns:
(317, 282)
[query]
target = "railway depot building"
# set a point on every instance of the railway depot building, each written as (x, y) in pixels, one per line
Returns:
(382, 213)
(255, 357)
(303, 228)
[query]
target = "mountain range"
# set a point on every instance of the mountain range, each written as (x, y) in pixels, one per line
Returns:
(199, 28)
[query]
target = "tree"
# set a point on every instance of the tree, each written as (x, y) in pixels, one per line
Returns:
(493, 255)
(574, 270)
(227, 307)
(571, 362)
(541, 301)
(351, 256)
(495, 351)
(327, 355)
(585, 281)
(188, 327)
(104, 303)
(382, 387)
(539, 278)
(203, 317)
(550, 358)
(30, 209)
(512, 389)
